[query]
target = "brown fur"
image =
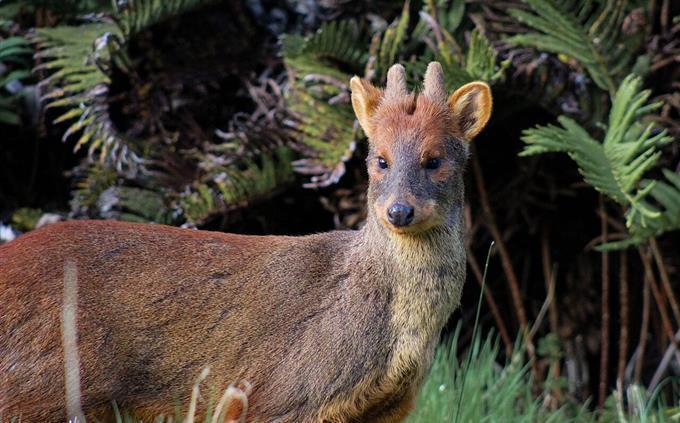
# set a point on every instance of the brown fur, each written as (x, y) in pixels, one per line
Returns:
(333, 327)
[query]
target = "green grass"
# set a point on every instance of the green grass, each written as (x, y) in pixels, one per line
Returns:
(493, 392)
(490, 392)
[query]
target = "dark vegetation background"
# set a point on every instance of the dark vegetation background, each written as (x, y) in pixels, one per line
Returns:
(194, 113)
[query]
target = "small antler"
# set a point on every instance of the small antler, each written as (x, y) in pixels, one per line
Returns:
(434, 88)
(396, 82)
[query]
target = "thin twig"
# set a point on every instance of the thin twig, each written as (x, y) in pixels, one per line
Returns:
(644, 329)
(604, 339)
(488, 296)
(550, 279)
(544, 308)
(548, 276)
(511, 277)
(663, 365)
(665, 280)
(661, 305)
(623, 317)
(474, 336)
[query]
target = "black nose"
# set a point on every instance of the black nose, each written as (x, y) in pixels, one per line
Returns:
(400, 214)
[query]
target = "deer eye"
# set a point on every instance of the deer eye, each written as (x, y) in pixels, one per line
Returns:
(433, 163)
(382, 163)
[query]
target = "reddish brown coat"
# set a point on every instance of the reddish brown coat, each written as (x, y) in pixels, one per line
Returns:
(336, 327)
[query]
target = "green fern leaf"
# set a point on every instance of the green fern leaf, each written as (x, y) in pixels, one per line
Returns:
(666, 209)
(318, 100)
(15, 54)
(391, 43)
(334, 43)
(138, 15)
(238, 184)
(77, 57)
(590, 36)
(479, 63)
(616, 165)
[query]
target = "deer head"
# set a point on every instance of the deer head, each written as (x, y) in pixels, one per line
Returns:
(418, 146)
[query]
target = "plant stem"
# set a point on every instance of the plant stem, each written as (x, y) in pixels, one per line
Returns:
(665, 280)
(511, 277)
(553, 317)
(604, 338)
(623, 316)
(488, 296)
(661, 305)
(644, 330)
(474, 335)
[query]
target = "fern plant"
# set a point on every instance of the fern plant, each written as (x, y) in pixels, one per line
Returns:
(15, 53)
(228, 186)
(80, 62)
(476, 62)
(77, 56)
(591, 35)
(136, 15)
(662, 204)
(334, 43)
(386, 46)
(318, 97)
(80, 59)
(615, 166)
(588, 32)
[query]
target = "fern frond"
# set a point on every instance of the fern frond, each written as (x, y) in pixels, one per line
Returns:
(101, 193)
(588, 153)
(334, 43)
(443, 18)
(616, 165)
(388, 45)
(92, 180)
(325, 130)
(479, 63)
(226, 187)
(134, 204)
(77, 56)
(449, 13)
(14, 49)
(318, 98)
(15, 53)
(666, 208)
(461, 65)
(137, 15)
(591, 37)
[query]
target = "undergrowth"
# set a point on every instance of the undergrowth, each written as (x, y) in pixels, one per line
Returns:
(496, 392)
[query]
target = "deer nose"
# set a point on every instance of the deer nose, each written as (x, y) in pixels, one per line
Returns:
(400, 214)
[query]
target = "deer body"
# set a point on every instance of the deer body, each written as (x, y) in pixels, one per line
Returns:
(336, 327)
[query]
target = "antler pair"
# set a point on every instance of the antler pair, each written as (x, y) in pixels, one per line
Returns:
(433, 84)
(469, 105)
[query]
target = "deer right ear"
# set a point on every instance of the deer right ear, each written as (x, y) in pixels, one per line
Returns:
(365, 99)
(470, 106)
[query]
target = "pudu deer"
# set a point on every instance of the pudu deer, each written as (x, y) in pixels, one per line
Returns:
(331, 327)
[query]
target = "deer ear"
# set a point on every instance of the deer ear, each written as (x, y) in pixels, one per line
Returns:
(365, 99)
(470, 106)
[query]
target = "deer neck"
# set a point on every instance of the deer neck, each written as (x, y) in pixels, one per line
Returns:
(425, 274)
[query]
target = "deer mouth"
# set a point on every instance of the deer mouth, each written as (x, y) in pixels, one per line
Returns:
(424, 218)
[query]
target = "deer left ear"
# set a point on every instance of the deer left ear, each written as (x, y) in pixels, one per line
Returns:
(365, 100)
(470, 106)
